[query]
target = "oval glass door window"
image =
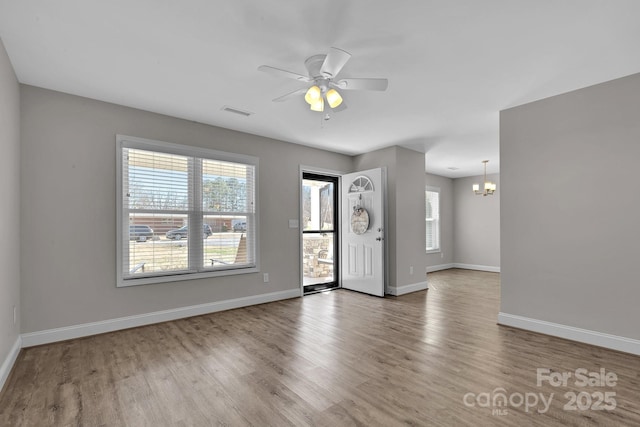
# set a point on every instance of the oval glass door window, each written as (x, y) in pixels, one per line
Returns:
(359, 221)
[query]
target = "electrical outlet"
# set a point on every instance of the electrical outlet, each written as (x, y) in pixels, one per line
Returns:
(441, 254)
(411, 270)
(265, 277)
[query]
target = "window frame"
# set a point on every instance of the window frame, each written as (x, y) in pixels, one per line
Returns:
(122, 235)
(437, 249)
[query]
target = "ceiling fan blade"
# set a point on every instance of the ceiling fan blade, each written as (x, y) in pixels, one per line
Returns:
(333, 63)
(283, 73)
(363, 84)
(290, 95)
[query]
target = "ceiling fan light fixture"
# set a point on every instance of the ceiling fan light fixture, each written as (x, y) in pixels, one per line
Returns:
(333, 98)
(318, 105)
(322, 84)
(313, 95)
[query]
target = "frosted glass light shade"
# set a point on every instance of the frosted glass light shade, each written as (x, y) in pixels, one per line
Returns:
(313, 95)
(318, 105)
(333, 98)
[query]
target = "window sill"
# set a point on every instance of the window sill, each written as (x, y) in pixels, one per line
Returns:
(149, 280)
(434, 251)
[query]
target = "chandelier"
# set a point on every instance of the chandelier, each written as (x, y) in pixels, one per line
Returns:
(489, 187)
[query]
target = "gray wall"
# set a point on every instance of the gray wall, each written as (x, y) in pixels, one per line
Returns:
(410, 217)
(445, 256)
(405, 185)
(68, 223)
(570, 231)
(10, 212)
(476, 226)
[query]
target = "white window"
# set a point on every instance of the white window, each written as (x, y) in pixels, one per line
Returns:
(184, 212)
(432, 196)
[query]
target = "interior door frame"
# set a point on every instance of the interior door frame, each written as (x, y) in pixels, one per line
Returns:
(319, 171)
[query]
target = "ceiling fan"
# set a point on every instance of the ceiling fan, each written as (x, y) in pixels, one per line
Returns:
(323, 70)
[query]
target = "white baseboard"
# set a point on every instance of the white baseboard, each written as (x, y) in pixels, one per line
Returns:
(432, 268)
(414, 287)
(93, 328)
(9, 361)
(614, 342)
(477, 267)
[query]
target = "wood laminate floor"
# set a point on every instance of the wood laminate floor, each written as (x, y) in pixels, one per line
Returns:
(331, 359)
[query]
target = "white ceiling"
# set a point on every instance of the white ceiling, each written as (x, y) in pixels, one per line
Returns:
(452, 65)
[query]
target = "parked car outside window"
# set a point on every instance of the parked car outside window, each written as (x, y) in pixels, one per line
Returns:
(183, 232)
(140, 233)
(240, 226)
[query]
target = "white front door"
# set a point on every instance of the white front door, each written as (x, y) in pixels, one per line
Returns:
(362, 236)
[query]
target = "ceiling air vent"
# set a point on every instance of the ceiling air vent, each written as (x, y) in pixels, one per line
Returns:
(236, 111)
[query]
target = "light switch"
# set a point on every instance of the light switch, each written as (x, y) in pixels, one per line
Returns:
(293, 223)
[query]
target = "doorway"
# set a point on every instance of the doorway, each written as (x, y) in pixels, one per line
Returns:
(320, 266)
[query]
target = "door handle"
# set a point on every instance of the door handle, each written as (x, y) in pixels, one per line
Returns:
(379, 238)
